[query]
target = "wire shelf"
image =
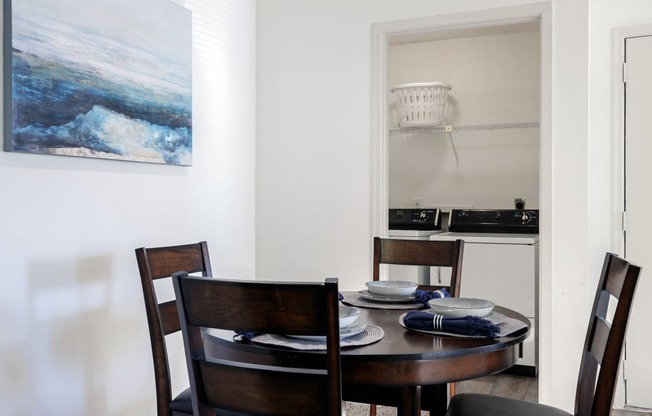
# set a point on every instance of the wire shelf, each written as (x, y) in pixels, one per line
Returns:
(465, 127)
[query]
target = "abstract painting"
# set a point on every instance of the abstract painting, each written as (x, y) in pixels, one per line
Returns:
(108, 79)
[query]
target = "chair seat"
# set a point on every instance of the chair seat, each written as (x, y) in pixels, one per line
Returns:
(472, 404)
(182, 403)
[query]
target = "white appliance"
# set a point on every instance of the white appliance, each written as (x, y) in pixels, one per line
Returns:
(500, 263)
(412, 224)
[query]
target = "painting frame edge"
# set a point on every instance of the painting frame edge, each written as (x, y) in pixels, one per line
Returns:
(7, 77)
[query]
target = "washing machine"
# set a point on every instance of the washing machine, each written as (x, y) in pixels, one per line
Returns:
(412, 224)
(501, 263)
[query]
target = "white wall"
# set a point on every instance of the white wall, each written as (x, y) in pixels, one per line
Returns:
(314, 147)
(495, 79)
(74, 333)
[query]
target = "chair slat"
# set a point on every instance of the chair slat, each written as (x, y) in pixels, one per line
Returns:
(163, 261)
(416, 252)
(169, 317)
(276, 386)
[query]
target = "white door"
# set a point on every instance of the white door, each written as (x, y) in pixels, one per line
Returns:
(638, 202)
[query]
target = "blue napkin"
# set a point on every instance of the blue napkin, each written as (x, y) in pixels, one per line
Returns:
(423, 296)
(468, 325)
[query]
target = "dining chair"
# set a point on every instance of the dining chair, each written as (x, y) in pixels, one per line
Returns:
(239, 385)
(416, 253)
(600, 357)
(163, 318)
(421, 253)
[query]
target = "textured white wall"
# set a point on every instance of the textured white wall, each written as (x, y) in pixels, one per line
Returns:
(74, 333)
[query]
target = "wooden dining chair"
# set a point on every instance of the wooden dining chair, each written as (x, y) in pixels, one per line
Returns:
(238, 385)
(600, 356)
(163, 318)
(416, 253)
(421, 253)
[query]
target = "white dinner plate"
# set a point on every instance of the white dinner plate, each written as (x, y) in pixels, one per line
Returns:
(392, 287)
(457, 307)
(349, 331)
(385, 299)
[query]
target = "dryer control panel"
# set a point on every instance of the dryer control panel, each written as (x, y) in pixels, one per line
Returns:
(414, 219)
(494, 221)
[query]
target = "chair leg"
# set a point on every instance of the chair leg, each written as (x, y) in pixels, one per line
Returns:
(442, 402)
(434, 398)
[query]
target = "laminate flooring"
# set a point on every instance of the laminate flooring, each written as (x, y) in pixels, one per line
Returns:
(517, 387)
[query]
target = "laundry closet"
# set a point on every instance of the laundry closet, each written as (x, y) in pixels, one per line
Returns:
(468, 167)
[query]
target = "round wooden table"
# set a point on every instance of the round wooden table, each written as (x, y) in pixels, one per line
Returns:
(402, 359)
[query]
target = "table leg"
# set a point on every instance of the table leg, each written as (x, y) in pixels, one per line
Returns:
(410, 404)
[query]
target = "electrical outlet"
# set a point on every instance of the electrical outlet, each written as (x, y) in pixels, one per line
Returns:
(417, 202)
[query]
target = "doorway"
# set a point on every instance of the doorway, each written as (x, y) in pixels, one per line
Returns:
(634, 90)
(453, 25)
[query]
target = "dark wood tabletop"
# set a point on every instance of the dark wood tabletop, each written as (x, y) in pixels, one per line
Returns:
(403, 358)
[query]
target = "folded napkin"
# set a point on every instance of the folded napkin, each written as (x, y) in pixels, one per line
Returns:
(423, 296)
(242, 336)
(468, 325)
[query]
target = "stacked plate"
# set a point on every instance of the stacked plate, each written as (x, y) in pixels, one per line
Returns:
(349, 325)
(348, 316)
(391, 291)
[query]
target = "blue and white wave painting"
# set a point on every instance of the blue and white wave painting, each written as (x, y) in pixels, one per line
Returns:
(104, 78)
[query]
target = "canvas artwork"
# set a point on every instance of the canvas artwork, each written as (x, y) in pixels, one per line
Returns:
(107, 79)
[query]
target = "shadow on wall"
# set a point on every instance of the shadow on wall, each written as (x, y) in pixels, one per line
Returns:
(78, 340)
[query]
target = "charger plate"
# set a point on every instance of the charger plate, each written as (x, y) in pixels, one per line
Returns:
(508, 327)
(371, 334)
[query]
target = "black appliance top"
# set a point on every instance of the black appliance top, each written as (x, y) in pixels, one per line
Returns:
(515, 221)
(414, 219)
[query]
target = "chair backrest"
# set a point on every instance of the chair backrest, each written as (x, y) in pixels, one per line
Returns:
(604, 340)
(260, 307)
(163, 318)
(421, 253)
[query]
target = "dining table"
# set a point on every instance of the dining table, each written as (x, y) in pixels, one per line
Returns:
(399, 359)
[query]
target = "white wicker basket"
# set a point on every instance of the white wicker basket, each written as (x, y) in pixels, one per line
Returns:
(422, 104)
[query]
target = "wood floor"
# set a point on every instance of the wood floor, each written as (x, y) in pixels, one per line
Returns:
(523, 388)
(517, 387)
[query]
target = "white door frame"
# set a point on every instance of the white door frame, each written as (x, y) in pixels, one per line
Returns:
(619, 35)
(381, 33)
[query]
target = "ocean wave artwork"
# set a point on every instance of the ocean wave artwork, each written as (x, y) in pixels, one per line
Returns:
(102, 79)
